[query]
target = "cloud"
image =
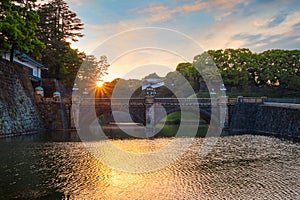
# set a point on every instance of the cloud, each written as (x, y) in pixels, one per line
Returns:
(192, 7)
(140, 63)
(251, 33)
(159, 17)
(209, 5)
(260, 44)
(142, 47)
(154, 9)
(223, 15)
(246, 36)
(297, 26)
(162, 12)
(215, 24)
(277, 20)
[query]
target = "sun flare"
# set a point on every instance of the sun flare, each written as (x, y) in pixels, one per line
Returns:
(99, 83)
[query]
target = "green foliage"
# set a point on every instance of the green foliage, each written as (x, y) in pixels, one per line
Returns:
(207, 69)
(92, 70)
(190, 73)
(233, 65)
(173, 118)
(57, 27)
(245, 72)
(171, 131)
(58, 22)
(18, 25)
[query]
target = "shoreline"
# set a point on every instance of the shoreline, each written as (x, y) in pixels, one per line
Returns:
(122, 135)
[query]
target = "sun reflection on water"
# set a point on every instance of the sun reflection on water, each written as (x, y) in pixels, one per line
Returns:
(260, 168)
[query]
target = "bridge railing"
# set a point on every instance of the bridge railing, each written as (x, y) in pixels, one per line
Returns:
(141, 101)
(279, 100)
(182, 100)
(176, 101)
(252, 100)
(262, 100)
(246, 100)
(119, 101)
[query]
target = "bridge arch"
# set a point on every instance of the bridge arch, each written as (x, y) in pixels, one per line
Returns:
(137, 114)
(205, 114)
(137, 108)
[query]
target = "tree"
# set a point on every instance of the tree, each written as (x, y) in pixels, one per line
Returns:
(92, 71)
(59, 26)
(245, 71)
(191, 74)
(58, 22)
(233, 65)
(72, 61)
(206, 66)
(18, 26)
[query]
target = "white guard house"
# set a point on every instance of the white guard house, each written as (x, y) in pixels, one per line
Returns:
(34, 67)
(152, 82)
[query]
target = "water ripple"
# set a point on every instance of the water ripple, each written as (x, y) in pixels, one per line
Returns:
(239, 167)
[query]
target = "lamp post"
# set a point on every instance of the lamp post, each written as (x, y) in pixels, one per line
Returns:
(223, 90)
(152, 82)
(74, 116)
(75, 88)
(223, 107)
(75, 93)
(85, 92)
(213, 93)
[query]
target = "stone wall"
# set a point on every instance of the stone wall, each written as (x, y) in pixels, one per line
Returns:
(259, 118)
(54, 115)
(18, 112)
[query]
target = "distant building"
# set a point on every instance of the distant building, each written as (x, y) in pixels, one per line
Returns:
(152, 79)
(34, 67)
(151, 82)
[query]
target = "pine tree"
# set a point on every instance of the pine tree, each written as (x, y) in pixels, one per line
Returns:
(58, 26)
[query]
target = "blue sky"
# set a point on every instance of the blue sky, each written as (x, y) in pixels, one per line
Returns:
(215, 24)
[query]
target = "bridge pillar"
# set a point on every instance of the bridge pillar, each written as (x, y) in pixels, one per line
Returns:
(150, 116)
(74, 112)
(223, 111)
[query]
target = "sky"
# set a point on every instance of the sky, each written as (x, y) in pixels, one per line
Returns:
(140, 37)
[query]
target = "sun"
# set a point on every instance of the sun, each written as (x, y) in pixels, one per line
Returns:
(99, 83)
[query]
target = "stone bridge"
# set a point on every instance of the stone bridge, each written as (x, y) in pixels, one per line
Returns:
(237, 115)
(150, 111)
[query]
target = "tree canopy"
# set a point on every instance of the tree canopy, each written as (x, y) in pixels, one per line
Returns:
(18, 25)
(242, 70)
(57, 28)
(45, 31)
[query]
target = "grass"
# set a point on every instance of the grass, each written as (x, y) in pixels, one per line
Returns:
(189, 131)
(173, 122)
(175, 118)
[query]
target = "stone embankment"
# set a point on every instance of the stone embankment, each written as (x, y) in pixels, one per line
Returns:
(18, 111)
(282, 121)
(55, 114)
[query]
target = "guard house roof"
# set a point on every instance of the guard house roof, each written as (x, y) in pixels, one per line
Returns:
(25, 57)
(152, 79)
(39, 88)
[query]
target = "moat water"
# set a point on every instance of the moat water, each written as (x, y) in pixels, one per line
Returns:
(58, 166)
